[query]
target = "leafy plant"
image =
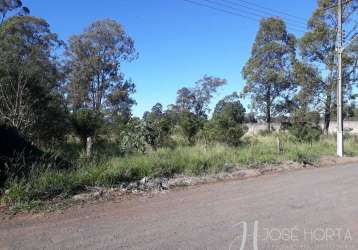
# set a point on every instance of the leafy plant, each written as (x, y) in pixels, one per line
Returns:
(306, 127)
(190, 125)
(86, 123)
(132, 137)
(227, 124)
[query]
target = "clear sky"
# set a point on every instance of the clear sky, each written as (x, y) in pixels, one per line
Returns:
(178, 42)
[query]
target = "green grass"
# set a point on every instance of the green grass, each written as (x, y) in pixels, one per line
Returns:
(196, 160)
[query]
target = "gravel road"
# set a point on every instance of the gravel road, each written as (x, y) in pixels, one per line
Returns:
(305, 209)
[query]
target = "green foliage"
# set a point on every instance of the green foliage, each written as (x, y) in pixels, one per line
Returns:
(305, 127)
(193, 160)
(86, 123)
(158, 127)
(36, 93)
(190, 125)
(93, 63)
(132, 136)
(227, 121)
(53, 124)
(318, 49)
(30, 100)
(197, 99)
(234, 134)
(267, 72)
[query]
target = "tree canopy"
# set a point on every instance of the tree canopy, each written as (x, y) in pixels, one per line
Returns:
(30, 76)
(94, 65)
(197, 99)
(318, 49)
(268, 72)
(11, 6)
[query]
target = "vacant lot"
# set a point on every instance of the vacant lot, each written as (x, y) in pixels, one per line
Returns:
(255, 152)
(206, 217)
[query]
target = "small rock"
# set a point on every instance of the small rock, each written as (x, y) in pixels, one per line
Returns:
(132, 185)
(165, 185)
(97, 194)
(82, 197)
(246, 173)
(180, 181)
(229, 168)
(144, 180)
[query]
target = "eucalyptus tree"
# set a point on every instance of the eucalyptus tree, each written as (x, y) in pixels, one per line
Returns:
(30, 77)
(318, 49)
(95, 80)
(94, 60)
(268, 72)
(192, 105)
(197, 99)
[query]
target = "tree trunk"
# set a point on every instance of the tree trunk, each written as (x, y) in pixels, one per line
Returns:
(268, 119)
(327, 113)
(89, 147)
(268, 108)
(279, 145)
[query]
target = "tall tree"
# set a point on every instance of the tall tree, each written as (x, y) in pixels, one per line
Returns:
(197, 99)
(95, 80)
(30, 77)
(192, 105)
(94, 66)
(268, 71)
(318, 49)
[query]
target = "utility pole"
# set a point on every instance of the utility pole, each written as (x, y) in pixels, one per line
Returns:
(339, 84)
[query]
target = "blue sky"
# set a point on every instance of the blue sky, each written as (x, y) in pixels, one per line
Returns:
(178, 42)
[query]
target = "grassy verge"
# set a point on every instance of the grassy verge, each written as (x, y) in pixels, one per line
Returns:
(196, 160)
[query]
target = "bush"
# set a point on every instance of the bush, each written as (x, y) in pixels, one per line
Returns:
(18, 157)
(86, 123)
(230, 136)
(131, 137)
(306, 132)
(305, 127)
(227, 122)
(190, 126)
(158, 127)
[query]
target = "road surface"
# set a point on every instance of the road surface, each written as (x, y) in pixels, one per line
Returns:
(306, 209)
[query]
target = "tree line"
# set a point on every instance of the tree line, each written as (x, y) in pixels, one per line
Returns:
(291, 77)
(51, 89)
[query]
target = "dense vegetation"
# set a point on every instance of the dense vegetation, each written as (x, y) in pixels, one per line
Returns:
(189, 160)
(72, 99)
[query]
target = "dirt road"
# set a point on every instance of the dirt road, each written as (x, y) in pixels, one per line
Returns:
(306, 209)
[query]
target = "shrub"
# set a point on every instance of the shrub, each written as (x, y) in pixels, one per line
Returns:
(227, 122)
(86, 123)
(158, 127)
(132, 137)
(231, 135)
(18, 157)
(190, 126)
(305, 127)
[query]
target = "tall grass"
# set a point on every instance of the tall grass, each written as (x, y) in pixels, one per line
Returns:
(195, 160)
